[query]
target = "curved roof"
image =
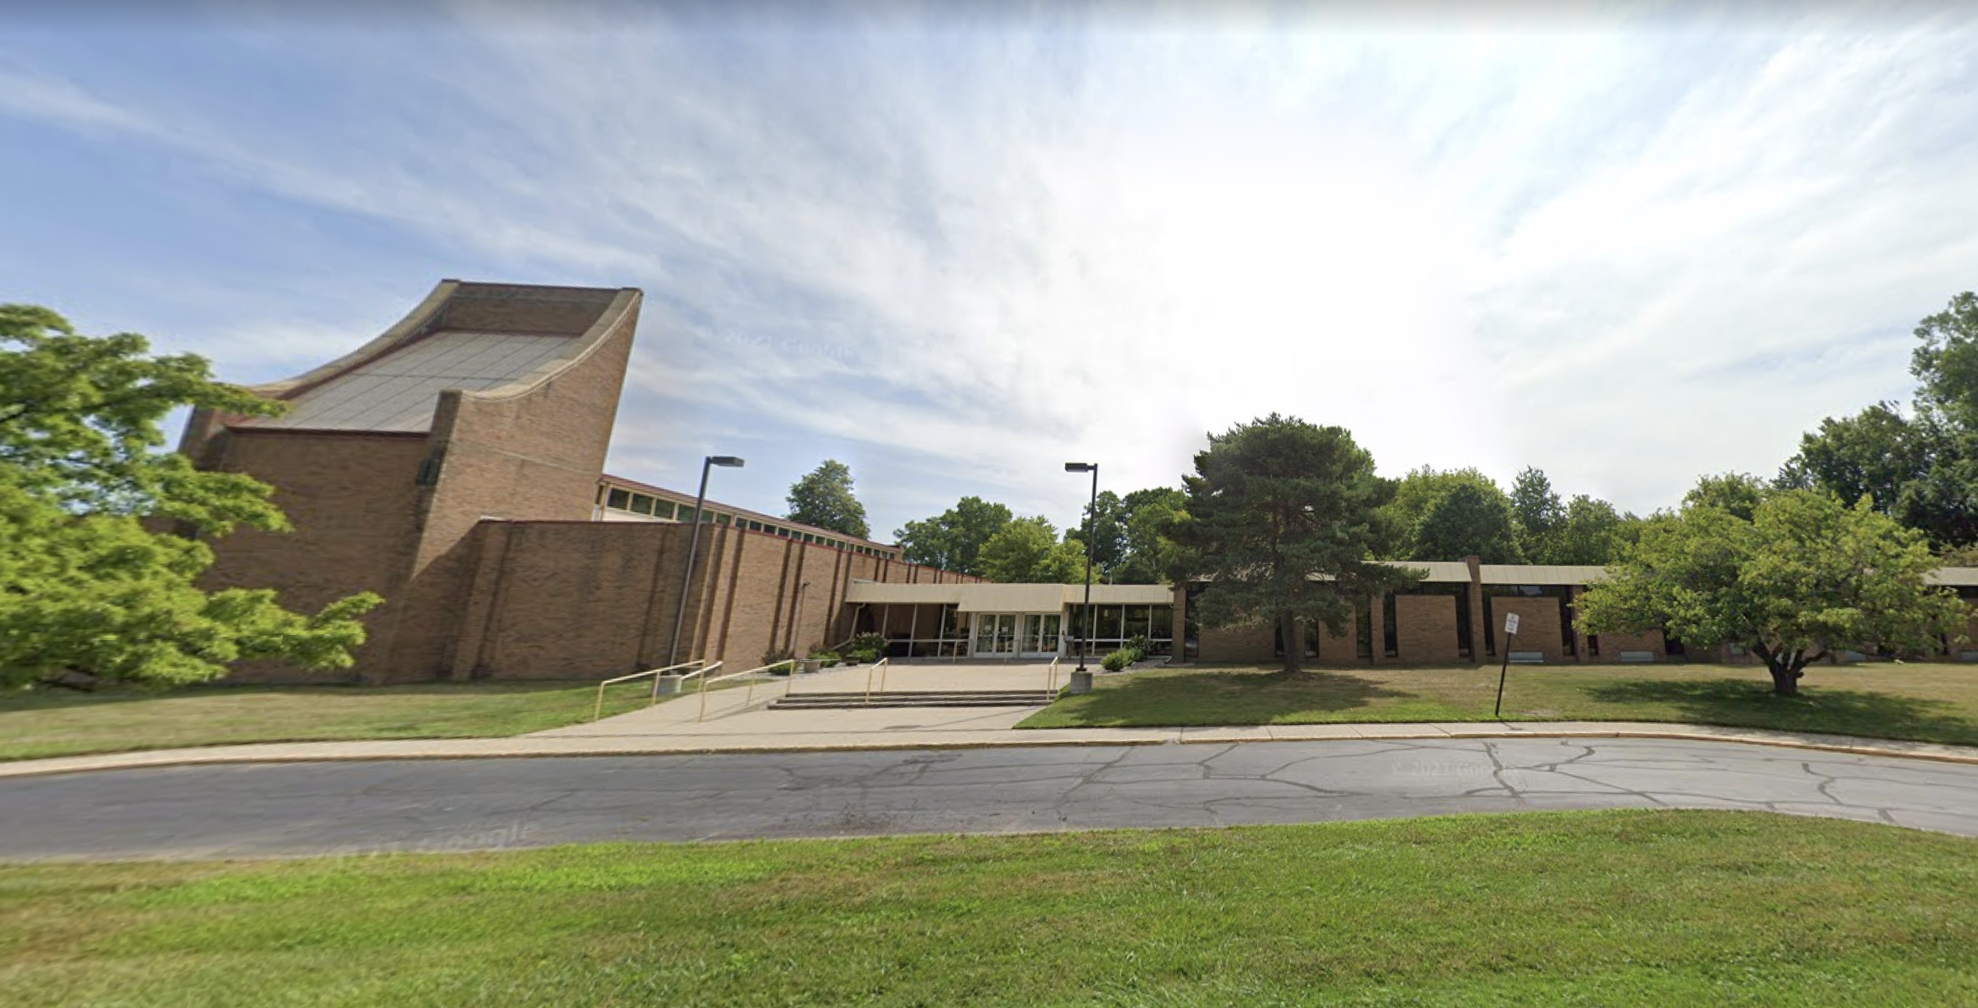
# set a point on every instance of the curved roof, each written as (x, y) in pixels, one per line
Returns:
(477, 337)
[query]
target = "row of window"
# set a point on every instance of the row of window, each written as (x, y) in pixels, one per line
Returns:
(631, 502)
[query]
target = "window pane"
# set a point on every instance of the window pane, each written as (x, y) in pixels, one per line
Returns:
(1163, 622)
(1136, 621)
(1109, 623)
(619, 500)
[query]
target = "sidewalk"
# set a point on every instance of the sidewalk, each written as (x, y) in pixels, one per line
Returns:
(981, 727)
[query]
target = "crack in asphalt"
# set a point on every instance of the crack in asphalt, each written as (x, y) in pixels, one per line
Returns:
(297, 808)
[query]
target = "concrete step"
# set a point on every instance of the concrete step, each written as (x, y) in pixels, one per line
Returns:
(861, 694)
(930, 698)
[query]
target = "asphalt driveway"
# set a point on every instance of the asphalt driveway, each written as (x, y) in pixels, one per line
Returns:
(434, 805)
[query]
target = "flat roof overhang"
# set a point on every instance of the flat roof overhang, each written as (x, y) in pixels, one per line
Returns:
(1017, 598)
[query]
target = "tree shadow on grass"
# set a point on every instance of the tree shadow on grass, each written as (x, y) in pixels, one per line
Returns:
(1752, 704)
(1226, 698)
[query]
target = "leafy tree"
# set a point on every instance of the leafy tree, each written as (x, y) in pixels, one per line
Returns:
(85, 587)
(1282, 517)
(1466, 520)
(1027, 551)
(1920, 468)
(824, 498)
(1738, 493)
(1541, 518)
(1120, 554)
(1947, 362)
(1876, 452)
(1592, 533)
(1149, 550)
(1402, 532)
(953, 539)
(1797, 577)
(1107, 524)
(1942, 502)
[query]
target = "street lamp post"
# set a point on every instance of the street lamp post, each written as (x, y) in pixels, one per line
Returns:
(693, 547)
(1081, 679)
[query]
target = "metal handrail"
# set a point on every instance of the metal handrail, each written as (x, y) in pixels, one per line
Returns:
(1051, 680)
(750, 698)
(874, 667)
(598, 710)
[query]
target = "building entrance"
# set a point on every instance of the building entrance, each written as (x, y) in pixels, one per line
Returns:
(1018, 635)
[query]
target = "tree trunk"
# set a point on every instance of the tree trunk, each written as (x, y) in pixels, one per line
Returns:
(1294, 643)
(1786, 668)
(1785, 682)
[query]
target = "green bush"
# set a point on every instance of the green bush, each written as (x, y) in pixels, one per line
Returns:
(872, 642)
(1140, 645)
(778, 661)
(867, 655)
(825, 659)
(1118, 660)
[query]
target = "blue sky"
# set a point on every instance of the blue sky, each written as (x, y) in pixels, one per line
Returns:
(957, 245)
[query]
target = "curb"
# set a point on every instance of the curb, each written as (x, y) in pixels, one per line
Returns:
(143, 761)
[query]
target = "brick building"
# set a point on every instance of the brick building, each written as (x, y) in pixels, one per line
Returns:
(454, 465)
(1456, 615)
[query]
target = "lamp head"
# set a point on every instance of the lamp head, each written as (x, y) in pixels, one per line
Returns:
(725, 461)
(1081, 467)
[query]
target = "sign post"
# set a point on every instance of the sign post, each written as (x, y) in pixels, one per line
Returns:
(1510, 631)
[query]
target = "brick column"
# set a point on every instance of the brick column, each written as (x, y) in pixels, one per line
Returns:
(1475, 563)
(1573, 615)
(1377, 629)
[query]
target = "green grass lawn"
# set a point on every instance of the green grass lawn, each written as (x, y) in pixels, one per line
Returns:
(63, 723)
(1932, 703)
(1650, 908)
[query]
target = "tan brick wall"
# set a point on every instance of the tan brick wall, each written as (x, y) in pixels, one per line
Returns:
(1238, 644)
(1539, 627)
(1338, 649)
(500, 308)
(1612, 644)
(1425, 628)
(570, 600)
(354, 506)
(536, 455)
(1970, 631)
(596, 599)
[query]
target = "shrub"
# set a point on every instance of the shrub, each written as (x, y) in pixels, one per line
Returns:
(778, 661)
(1140, 645)
(875, 643)
(825, 659)
(1118, 660)
(867, 655)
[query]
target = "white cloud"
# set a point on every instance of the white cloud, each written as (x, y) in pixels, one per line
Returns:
(1625, 251)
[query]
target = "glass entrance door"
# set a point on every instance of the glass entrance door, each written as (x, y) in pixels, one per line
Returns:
(1040, 634)
(995, 635)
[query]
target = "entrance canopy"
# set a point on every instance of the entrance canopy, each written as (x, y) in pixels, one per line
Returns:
(1007, 598)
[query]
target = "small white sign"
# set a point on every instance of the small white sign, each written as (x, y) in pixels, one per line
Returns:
(1511, 623)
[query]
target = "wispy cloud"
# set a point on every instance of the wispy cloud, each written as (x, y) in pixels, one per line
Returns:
(962, 249)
